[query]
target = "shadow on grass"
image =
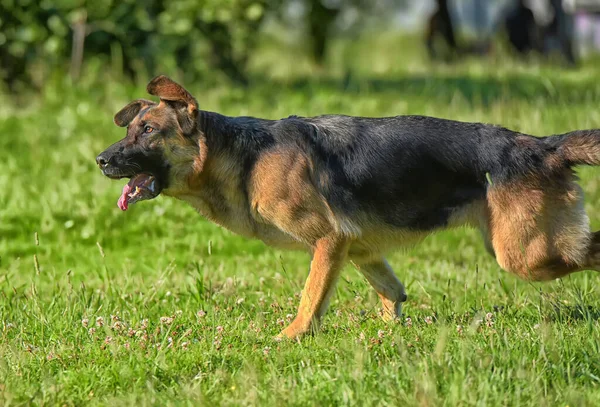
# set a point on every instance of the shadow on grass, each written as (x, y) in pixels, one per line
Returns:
(480, 91)
(565, 313)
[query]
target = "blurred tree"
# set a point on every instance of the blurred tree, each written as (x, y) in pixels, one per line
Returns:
(320, 18)
(561, 27)
(440, 25)
(323, 19)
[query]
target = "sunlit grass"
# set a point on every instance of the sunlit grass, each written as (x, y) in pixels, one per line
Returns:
(158, 306)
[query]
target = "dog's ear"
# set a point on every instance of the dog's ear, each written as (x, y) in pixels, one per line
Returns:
(174, 95)
(126, 115)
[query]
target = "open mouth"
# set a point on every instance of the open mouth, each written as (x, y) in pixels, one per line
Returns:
(140, 187)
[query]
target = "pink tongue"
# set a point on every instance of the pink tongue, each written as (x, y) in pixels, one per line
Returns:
(123, 199)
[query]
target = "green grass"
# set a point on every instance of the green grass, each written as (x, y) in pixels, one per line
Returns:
(477, 335)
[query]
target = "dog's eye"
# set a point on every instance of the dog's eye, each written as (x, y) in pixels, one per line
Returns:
(148, 129)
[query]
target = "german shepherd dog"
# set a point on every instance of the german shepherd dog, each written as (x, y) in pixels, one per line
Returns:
(352, 189)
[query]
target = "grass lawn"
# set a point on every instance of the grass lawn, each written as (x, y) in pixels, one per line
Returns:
(156, 306)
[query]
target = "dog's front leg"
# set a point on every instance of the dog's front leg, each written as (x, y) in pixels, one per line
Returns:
(328, 259)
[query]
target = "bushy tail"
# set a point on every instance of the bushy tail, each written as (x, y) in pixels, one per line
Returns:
(581, 147)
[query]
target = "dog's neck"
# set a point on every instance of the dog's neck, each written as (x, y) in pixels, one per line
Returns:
(219, 131)
(216, 184)
(241, 136)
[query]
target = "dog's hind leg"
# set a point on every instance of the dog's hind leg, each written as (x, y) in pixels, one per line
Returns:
(389, 289)
(593, 255)
(539, 229)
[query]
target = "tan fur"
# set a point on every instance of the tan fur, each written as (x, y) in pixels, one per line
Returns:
(167, 90)
(538, 227)
(289, 202)
(328, 259)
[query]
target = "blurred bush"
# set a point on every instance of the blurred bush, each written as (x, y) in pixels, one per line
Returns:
(39, 37)
(133, 36)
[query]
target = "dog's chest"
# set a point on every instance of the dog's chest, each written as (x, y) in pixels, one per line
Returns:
(236, 216)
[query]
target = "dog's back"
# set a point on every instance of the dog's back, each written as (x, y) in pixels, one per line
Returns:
(411, 171)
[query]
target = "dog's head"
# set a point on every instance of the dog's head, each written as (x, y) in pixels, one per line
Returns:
(161, 142)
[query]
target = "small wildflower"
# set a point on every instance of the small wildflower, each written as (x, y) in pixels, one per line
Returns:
(289, 317)
(51, 356)
(429, 320)
(127, 346)
(166, 320)
(280, 321)
(375, 341)
(362, 337)
(220, 329)
(358, 298)
(255, 327)
(85, 322)
(459, 329)
(115, 318)
(338, 313)
(266, 350)
(408, 321)
(118, 326)
(92, 331)
(108, 340)
(144, 324)
(99, 321)
(240, 300)
(489, 319)
(201, 314)
(184, 345)
(178, 313)
(170, 340)
(380, 334)
(131, 332)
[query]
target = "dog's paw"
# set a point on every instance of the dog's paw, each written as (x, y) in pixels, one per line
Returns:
(296, 330)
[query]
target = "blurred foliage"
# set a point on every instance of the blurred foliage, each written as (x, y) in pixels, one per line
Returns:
(147, 37)
(36, 36)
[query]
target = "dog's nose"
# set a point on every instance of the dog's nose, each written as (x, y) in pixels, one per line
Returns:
(101, 161)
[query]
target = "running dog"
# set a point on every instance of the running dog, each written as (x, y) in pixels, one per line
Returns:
(352, 188)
